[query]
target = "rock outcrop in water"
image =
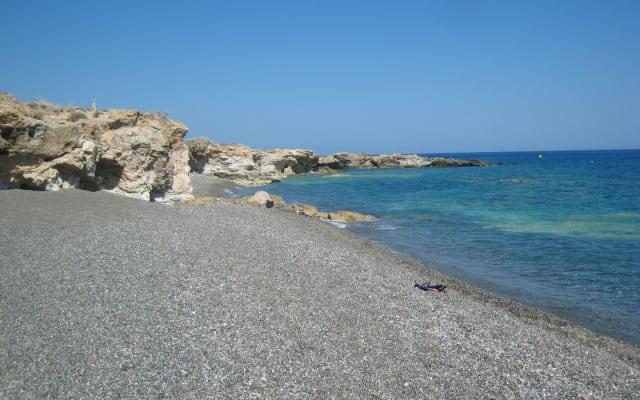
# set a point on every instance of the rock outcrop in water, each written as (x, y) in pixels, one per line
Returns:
(363, 160)
(248, 166)
(337, 216)
(267, 200)
(45, 147)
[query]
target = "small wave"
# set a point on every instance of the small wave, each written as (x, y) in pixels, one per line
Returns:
(520, 180)
(337, 175)
(340, 225)
(232, 194)
(386, 228)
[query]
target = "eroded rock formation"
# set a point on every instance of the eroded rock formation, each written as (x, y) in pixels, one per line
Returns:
(45, 147)
(267, 200)
(337, 216)
(248, 166)
(363, 160)
(262, 199)
(143, 155)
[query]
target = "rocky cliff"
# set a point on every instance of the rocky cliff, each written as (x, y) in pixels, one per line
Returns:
(45, 147)
(143, 155)
(248, 166)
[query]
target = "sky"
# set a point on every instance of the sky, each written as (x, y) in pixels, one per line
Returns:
(330, 76)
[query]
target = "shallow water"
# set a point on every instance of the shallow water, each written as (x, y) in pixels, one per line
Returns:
(560, 233)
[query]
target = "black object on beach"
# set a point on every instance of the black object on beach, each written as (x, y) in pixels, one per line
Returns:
(428, 286)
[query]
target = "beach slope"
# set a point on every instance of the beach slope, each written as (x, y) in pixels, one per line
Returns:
(104, 296)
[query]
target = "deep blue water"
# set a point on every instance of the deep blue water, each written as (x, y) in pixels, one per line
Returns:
(560, 233)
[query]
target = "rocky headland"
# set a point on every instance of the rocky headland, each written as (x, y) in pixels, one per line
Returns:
(247, 166)
(365, 161)
(144, 155)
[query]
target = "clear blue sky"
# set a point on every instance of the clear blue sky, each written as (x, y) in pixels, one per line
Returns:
(375, 76)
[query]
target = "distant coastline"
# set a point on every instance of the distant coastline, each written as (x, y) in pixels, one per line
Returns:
(144, 155)
(510, 229)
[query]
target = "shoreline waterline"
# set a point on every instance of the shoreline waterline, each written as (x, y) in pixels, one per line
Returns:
(232, 299)
(558, 233)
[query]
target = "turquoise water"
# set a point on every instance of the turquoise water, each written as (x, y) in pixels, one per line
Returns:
(560, 233)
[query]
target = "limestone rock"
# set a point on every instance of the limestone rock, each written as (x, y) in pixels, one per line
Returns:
(286, 162)
(338, 161)
(338, 216)
(248, 166)
(267, 200)
(363, 160)
(349, 216)
(45, 147)
(233, 162)
(262, 199)
(454, 162)
(309, 211)
(326, 170)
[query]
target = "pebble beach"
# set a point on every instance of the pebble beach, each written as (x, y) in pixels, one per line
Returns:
(104, 296)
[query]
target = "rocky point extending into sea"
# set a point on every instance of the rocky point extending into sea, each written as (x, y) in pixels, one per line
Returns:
(145, 155)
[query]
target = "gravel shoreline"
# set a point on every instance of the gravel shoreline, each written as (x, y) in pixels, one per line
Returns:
(211, 186)
(109, 297)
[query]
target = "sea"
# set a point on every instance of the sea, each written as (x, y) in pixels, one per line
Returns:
(557, 230)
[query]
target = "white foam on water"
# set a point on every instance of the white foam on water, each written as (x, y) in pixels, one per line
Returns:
(340, 225)
(386, 228)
